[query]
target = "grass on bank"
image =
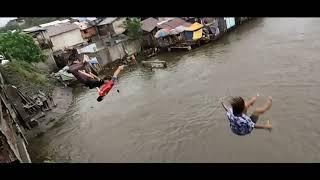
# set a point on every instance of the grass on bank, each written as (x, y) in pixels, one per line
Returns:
(27, 71)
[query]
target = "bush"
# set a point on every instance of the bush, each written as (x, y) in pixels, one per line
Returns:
(21, 47)
(133, 25)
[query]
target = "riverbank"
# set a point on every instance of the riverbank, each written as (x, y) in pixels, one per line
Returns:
(62, 97)
(30, 86)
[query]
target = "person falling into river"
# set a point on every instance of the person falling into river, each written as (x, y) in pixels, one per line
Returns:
(77, 65)
(108, 84)
(240, 123)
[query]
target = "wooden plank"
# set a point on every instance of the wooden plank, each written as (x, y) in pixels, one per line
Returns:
(146, 62)
(1, 114)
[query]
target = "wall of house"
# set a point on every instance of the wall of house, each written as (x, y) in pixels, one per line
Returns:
(116, 52)
(105, 30)
(149, 41)
(49, 64)
(103, 57)
(222, 24)
(230, 21)
(88, 33)
(118, 26)
(132, 47)
(69, 38)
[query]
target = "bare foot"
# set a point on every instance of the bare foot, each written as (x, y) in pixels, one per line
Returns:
(269, 126)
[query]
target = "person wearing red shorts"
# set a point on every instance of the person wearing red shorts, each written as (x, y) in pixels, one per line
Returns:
(108, 84)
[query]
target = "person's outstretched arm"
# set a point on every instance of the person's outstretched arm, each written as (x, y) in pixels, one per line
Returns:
(98, 89)
(84, 73)
(224, 106)
(93, 75)
(250, 102)
(116, 73)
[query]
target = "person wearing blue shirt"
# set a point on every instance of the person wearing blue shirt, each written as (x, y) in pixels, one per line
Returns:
(240, 122)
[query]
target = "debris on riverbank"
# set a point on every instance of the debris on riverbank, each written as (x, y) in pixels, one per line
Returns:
(39, 104)
(63, 97)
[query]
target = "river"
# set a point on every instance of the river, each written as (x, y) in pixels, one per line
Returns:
(174, 115)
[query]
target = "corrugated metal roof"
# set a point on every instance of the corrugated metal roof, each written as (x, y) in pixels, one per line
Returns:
(84, 18)
(61, 28)
(194, 26)
(149, 24)
(107, 21)
(33, 29)
(54, 23)
(83, 25)
(187, 24)
(173, 23)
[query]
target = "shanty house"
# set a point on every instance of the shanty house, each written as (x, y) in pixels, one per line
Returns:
(111, 26)
(194, 32)
(64, 35)
(173, 23)
(87, 30)
(211, 27)
(40, 36)
(149, 30)
(169, 31)
(230, 21)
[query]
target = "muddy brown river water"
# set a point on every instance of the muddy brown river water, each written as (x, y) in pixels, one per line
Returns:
(173, 114)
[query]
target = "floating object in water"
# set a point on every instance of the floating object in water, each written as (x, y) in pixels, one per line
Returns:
(155, 64)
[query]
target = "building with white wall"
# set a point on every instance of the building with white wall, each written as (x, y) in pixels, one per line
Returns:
(64, 35)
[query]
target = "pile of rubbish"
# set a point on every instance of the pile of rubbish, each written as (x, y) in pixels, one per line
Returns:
(63, 76)
(29, 106)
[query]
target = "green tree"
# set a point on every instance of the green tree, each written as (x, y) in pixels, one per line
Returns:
(133, 25)
(20, 46)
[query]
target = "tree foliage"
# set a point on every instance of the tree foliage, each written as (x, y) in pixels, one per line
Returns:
(20, 46)
(133, 25)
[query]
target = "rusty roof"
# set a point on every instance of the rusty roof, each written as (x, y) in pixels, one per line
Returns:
(107, 20)
(83, 25)
(61, 28)
(174, 23)
(149, 24)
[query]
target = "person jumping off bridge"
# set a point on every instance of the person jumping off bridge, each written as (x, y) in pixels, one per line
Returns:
(108, 84)
(240, 123)
(77, 66)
